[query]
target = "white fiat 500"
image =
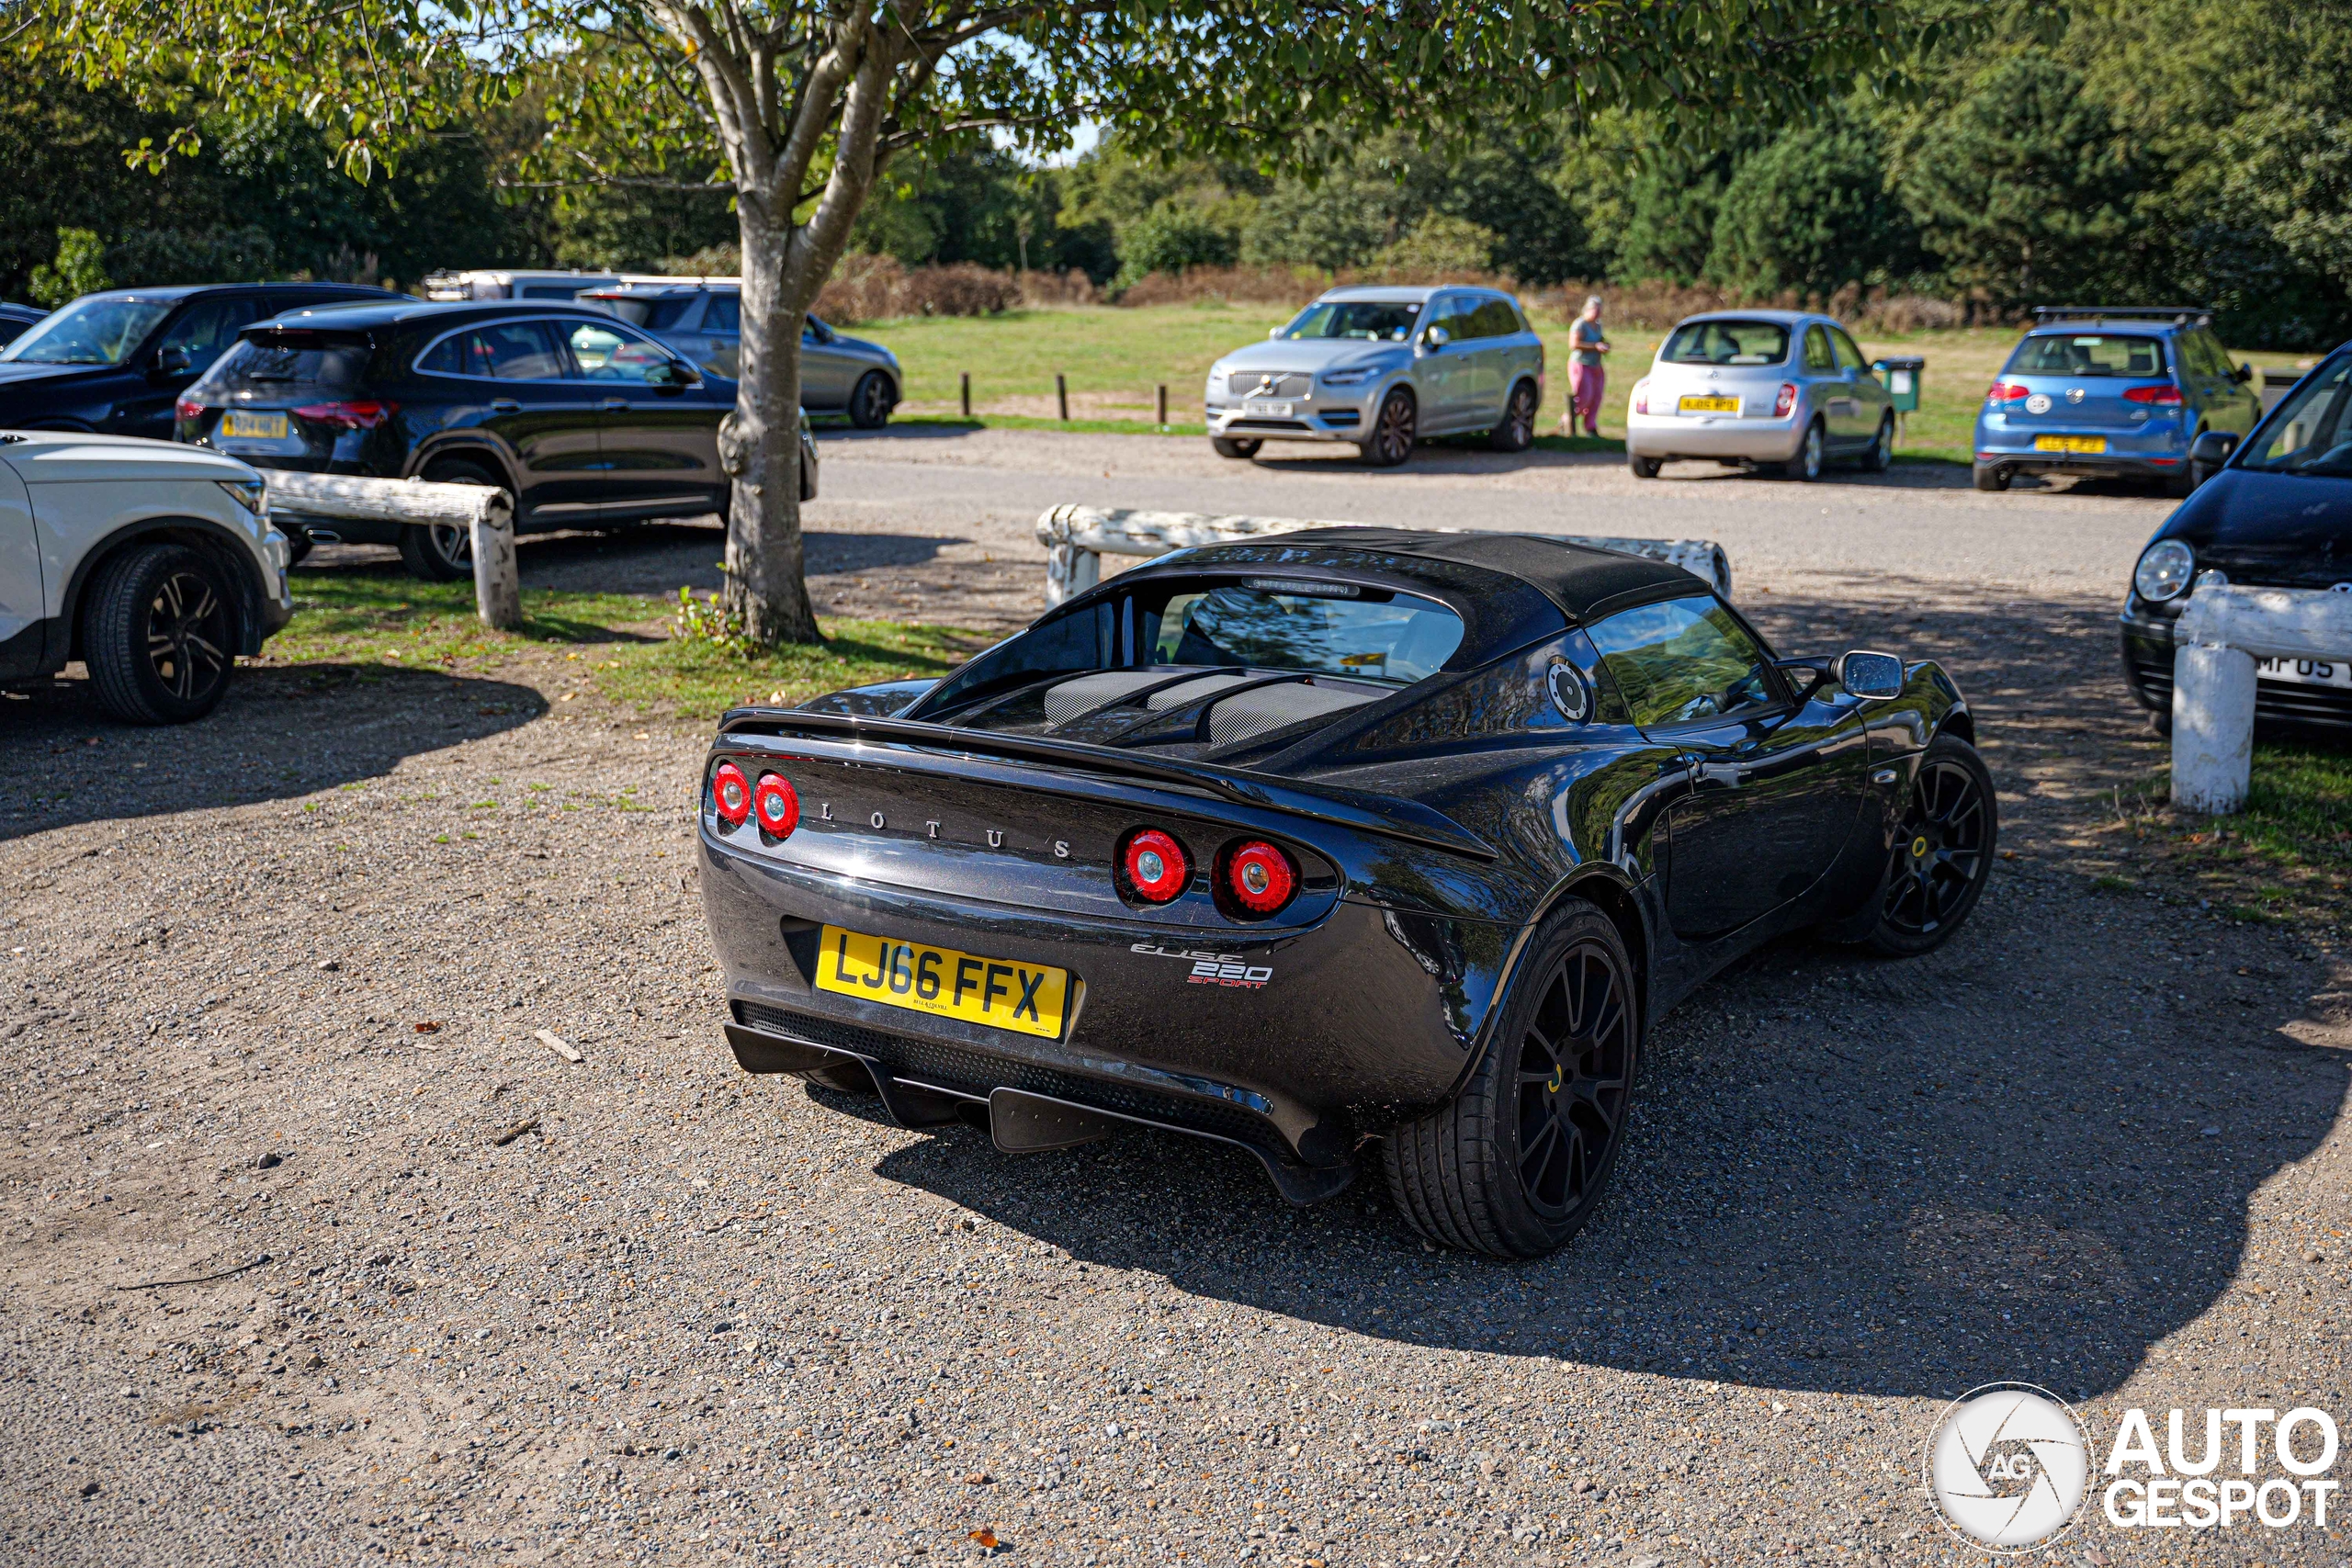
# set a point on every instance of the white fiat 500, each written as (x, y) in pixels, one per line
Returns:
(154, 564)
(1780, 390)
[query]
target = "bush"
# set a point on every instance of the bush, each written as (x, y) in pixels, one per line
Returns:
(80, 268)
(1656, 305)
(1173, 239)
(1452, 247)
(871, 288)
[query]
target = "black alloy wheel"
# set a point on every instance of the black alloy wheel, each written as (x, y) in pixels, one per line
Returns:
(1881, 457)
(1944, 846)
(1517, 1164)
(1236, 450)
(1392, 430)
(160, 635)
(1516, 431)
(870, 402)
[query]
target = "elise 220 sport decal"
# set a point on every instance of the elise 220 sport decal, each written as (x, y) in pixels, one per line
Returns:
(1213, 968)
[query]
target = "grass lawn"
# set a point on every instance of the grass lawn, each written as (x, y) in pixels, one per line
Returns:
(2287, 855)
(613, 646)
(1112, 359)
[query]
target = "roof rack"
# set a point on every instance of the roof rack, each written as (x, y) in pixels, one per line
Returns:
(2179, 315)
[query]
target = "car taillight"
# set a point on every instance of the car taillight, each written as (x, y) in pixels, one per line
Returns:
(1259, 878)
(777, 804)
(2005, 392)
(1642, 397)
(364, 415)
(2164, 397)
(188, 409)
(731, 794)
(1155, 865)
(1785, 401)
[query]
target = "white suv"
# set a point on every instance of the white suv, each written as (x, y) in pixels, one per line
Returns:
(153, 563)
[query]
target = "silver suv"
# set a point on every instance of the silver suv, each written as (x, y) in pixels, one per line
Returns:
(1383, 368)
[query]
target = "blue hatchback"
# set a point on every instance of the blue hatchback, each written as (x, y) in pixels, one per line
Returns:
(2112, 392)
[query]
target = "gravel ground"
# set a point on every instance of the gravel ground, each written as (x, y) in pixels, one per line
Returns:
(275, 991)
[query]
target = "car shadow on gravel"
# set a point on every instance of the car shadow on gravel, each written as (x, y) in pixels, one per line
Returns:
(2034, 1154)
(279, 733)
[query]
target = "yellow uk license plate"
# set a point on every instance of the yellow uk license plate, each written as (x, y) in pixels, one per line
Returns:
(2090, 443)
(1709, 405)
(254, 426)
(1032, 998)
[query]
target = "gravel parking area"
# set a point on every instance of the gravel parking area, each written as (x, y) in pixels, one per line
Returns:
(315, 1246)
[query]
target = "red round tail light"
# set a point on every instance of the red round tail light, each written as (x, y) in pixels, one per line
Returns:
(1259, 878)
(1155, 865)
(731, 794)
(778, 804)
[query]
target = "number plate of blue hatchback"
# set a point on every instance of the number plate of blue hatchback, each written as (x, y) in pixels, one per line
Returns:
(253, 427)
(1031, 999)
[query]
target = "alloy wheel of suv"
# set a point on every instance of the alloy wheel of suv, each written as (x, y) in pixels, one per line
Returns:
(160, 635)
(1392, 430)
(1516, 431)
(443, 552)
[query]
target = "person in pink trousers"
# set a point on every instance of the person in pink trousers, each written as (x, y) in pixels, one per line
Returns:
(1586, 380)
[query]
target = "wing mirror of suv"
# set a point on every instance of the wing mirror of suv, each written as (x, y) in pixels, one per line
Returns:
(1276, 335)
(2213, 449)
(171, 361)
(1873, 676)
(1437, 337)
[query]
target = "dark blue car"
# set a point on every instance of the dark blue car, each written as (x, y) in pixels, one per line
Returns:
(2112, 392)
(114, 361)
(2276, 513)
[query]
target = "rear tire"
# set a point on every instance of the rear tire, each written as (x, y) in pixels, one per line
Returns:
(159, 634)
(1517, 1164)
(1806, 465)
(441, 552)
(870, 402)
(1394, 429)
(1516, 431)
(1990, 477)
(1239, 451)
(1644, 468)
(1881, 457)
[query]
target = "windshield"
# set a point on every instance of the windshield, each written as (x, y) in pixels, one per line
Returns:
(1371, 321)
(1370, 634)
(88, 331)
(2103, 354)
(2312, 430)
(1726, 342)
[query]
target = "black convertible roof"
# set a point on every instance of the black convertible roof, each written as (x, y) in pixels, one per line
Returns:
(1579, 581)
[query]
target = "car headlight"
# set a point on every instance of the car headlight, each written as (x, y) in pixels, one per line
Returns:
(1356, 377)
(2165, 571)
(251, 495)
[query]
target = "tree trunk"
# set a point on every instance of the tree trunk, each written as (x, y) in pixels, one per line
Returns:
(760, 444)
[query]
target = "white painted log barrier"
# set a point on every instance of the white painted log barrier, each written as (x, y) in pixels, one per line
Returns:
(1078, 537)
(487, 514)
(2215, 644)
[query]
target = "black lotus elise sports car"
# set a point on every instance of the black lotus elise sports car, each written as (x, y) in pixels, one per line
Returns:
(1358, 837)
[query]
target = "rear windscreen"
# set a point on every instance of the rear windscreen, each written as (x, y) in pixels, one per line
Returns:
(2087, 354)
(1726, 342)
(1262, 625)
(290, 360)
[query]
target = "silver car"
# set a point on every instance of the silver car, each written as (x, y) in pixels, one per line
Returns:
(1382, 368)
(704, 322)
(1780, 390)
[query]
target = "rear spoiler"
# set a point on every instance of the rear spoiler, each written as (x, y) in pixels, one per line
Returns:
(1387, 814)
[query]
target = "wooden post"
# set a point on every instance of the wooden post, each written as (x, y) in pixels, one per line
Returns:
(1163, 405)
(1061, 394)
(965, 391)
(485, 511)
(498, 589)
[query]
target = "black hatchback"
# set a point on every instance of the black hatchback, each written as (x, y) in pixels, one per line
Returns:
(2277, 514)
(585, 421)
(113, 361)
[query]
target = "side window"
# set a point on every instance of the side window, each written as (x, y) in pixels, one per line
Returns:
(1816, 351)
(1849, 356)
(607, 353)
(511, 351)
(206, 330)
(2205, 354)
(726, 314)
(1495, 318)
(1684, 660)
(1454, 315)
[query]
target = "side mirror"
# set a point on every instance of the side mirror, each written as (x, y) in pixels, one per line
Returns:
(1873, 676)
(1437, 337)
(674, 374)
(2242, 374)
(2213, 447)
(1274, 335)
(171, 361)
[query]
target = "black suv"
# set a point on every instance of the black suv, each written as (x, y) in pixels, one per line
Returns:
(113, 361)
(585, 421)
